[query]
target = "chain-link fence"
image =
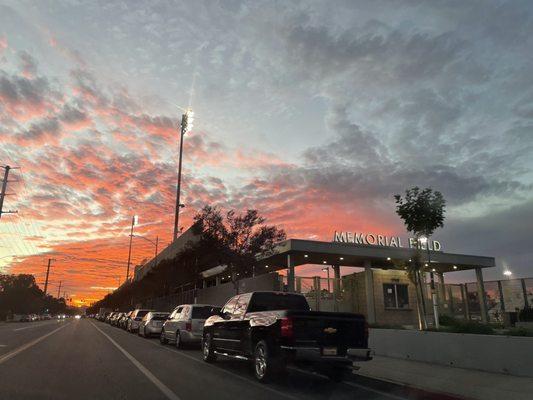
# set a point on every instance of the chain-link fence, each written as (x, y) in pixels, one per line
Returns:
(502, 297)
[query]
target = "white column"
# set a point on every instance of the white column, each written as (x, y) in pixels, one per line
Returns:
(336, 286)
(369, 285)
(290, 274)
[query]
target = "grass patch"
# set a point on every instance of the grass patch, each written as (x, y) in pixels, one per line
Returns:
(518, 332)
(454, 325)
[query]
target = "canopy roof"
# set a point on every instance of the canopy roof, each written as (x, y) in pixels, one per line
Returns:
(354, 255)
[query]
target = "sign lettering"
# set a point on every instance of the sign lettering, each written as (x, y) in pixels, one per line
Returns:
(383, 240)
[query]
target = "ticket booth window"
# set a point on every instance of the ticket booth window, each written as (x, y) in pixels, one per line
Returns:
(396, 295)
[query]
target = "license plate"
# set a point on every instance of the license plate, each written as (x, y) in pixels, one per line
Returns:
(329, 351)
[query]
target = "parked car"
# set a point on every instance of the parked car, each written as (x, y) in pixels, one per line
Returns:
(185, 324)
(123, 321)
(274, 329)
(25, 318)
(152, 323)
(109, 316)
(135, 319)
(114, 320)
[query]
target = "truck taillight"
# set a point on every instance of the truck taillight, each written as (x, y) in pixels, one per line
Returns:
(366, 330)
(287, 329)
(188, 326)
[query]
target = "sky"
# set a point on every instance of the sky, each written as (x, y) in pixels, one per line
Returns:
(314, 112)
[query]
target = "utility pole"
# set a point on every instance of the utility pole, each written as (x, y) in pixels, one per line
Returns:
(156, 244)
(186, 126)
(133, 220)
(3, 193)
(59, 290)
(47, 273)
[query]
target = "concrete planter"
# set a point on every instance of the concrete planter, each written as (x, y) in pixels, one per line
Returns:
(492, 353)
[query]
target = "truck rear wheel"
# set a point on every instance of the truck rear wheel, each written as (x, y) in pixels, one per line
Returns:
(267, 365)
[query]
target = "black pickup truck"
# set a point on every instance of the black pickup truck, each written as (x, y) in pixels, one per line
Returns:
(274, 329)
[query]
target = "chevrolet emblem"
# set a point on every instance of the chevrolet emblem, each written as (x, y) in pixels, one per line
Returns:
(330, 330)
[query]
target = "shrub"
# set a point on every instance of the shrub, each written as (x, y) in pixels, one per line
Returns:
(518, 332)
(446, 320)
(453, 325)
(473, 327)
(526, 314)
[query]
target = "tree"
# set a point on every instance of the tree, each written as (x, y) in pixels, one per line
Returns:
(236, 239)
(422, 212)
(225, 239)
(19, 294)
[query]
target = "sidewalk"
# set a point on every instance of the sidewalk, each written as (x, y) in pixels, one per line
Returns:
(465, 383)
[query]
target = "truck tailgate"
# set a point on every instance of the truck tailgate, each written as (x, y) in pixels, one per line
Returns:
(330, 330)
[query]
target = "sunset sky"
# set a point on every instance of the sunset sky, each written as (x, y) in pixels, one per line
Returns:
(316, 113)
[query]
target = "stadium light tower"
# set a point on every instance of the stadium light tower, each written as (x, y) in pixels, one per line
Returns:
(134, 221)
(186, 126)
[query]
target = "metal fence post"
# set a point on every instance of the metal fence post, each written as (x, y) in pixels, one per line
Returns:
(318, 292)
(524, 290)
(464, 298)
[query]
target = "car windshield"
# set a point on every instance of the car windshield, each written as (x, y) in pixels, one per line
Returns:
(277, 301)
(202, 312)
(142, 313)
(160, 317)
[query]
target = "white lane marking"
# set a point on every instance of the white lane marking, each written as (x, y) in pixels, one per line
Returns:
(225, 371)
(3, 345)
(31, 326)
(160, 385)
(26, 346)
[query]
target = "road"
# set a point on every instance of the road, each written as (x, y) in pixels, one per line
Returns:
(87, 359)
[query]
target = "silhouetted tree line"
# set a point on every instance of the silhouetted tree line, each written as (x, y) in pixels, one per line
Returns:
(19, 294)
(224, 239)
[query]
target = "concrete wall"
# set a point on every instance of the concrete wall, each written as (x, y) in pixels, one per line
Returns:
(172, 250)
(218, 295)
(389, 316)
(355, 287)
(491, 353)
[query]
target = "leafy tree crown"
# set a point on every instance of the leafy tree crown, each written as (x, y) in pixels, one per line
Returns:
(422, 211)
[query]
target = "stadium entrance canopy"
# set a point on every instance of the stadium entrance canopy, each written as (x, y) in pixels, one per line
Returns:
(368, 252)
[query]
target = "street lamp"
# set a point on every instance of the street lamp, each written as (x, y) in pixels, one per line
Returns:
(508, 273)
(156, 244)
(186, 125)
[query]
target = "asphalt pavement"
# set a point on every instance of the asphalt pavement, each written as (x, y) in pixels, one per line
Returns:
(87, 359)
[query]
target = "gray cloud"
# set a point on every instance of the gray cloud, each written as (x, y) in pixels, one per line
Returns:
(505, 233)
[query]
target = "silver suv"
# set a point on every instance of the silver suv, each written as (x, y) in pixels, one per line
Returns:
(152, 323)
(186, 323)
(135, 319)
